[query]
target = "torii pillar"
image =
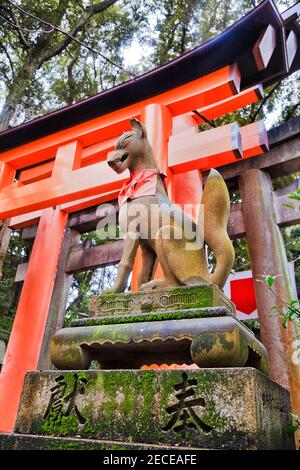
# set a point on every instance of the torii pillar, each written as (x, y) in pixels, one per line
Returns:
(24, 346)
(268, 256)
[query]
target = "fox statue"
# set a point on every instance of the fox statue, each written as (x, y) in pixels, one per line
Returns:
(183, 263)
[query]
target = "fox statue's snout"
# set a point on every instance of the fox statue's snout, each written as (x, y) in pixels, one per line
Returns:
(132, 150)
(180, 266)
(117, 160)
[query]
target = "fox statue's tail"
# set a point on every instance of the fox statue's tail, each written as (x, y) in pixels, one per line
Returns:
(216, 213)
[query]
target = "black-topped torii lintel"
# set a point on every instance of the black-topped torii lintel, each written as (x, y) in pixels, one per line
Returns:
(264, 44)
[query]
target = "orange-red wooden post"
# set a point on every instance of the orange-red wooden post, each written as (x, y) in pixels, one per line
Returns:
(187, 192)
(26, 337)
(187, 187)
(7, 174)
(158, 121)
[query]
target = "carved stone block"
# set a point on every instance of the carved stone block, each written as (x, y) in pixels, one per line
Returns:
(171, 298)
(199, 336)
(237, 408)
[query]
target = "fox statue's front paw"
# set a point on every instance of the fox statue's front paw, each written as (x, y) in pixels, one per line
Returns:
(114, 290)
(109, 291)
(155, 284)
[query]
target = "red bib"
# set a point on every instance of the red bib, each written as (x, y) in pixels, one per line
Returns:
(142, 182)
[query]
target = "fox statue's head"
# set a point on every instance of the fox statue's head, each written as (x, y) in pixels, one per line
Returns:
(132, 150)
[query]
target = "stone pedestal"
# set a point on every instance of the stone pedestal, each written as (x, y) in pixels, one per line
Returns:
(178, 298)
(183, 325)
(222, 400)
(233, 408)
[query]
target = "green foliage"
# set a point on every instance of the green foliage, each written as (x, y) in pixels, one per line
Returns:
(83, 286)
(294, 425)
(291, 309)
(43, 69)
(295, 195)
(102, 235)
(291, 236)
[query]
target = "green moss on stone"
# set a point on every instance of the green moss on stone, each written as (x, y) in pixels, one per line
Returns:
(153, 316)
(132, 406)
(64, 426)
(204, 292)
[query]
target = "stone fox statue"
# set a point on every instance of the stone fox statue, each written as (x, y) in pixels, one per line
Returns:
(144, 193)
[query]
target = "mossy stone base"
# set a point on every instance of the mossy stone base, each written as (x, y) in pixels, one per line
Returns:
(233, 408)
(171, 298)
(206, 340)
(178, 314)
(32, 442)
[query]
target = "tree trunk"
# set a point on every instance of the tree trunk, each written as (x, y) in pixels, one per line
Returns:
(16, 91)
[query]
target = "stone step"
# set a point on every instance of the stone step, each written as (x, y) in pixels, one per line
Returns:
(36, 442)
(229, 408)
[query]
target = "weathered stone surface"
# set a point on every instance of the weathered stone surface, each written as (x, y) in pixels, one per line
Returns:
(33, 442)
(156, 315)
(170, 298)
(210, 408)
(207, 341)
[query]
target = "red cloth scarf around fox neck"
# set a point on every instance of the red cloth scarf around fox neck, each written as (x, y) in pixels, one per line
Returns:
(142, 182)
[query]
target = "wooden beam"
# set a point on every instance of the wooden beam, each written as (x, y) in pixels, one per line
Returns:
(288, 131)
(291, 47)
(25, 220)
(68, 158)
(254, 139)
(81, 204)
(191, 150)
(84, 221)
(98, 152)
(87, 220)
(286, 216)
(200, 92)
(7, 174)
(84, 182)
(21, 271)
(82, 258)
(29, 233)
(236, 226)
(291, 15)
(36, 173)
(282, 159)
(31, 218)
(89, 155)
(245, 97)
(264, 47)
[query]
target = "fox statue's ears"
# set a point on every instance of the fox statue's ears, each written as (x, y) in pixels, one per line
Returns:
(138, 127)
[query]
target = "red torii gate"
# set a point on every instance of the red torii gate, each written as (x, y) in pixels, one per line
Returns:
(59, 160)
